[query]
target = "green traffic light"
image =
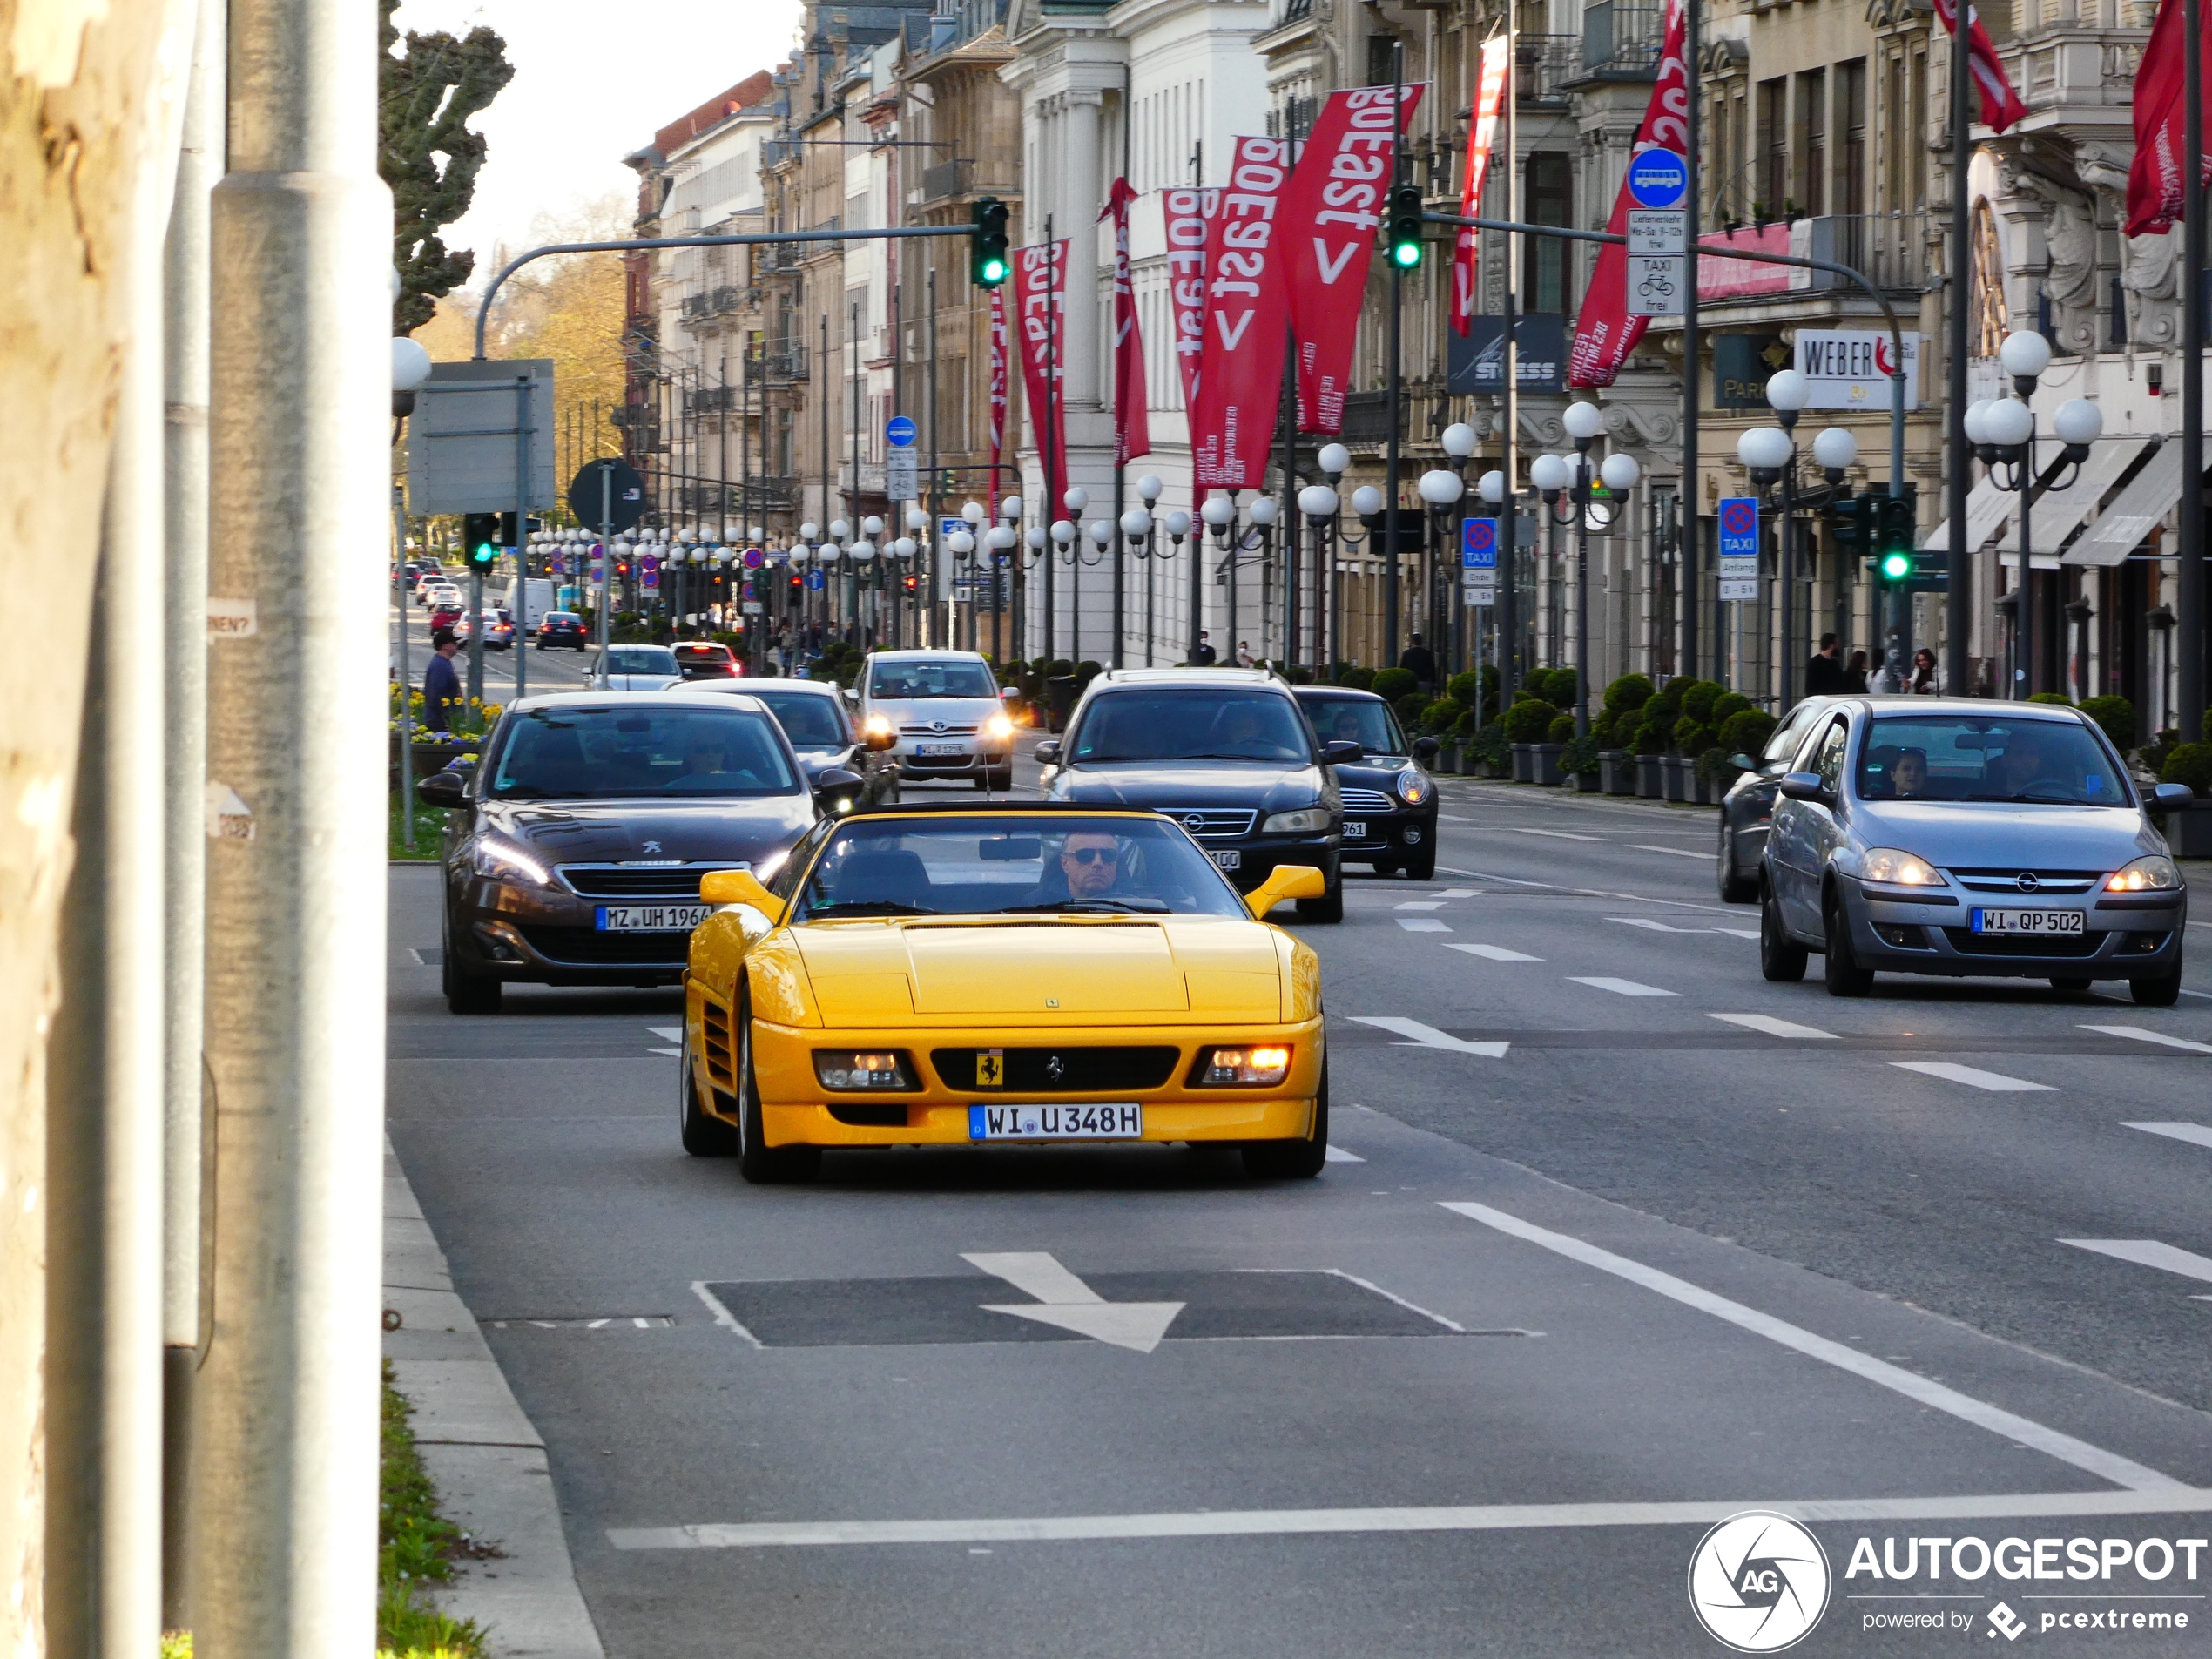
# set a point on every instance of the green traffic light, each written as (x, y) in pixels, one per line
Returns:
(1405, 255)
(993, 272)
(1896, 565)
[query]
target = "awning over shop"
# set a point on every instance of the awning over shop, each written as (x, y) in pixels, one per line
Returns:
(2058, 513)
(2134, 512)
(1987, 507)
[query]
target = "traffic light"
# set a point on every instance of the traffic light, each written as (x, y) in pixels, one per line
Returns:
(1894, 558)
(480, 536)
(1406, 225)
(987, 263)
(1849, 515)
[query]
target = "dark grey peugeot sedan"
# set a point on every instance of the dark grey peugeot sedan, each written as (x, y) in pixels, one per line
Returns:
(1959, 837)
(575, 853)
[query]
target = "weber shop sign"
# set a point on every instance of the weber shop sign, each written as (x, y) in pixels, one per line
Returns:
(1850, 368)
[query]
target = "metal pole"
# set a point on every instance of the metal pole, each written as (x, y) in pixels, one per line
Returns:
(285, 1406)
(1691, 544)
(520, 647)
(930, 550)
(1582, 595)
(1508, 614)
(185, 339)
(2188, 632)
(2023, 616)
(407, 722)
(606, 566)
(1394, 394)
(822, 398)
(1788, 586)
(1956, 577)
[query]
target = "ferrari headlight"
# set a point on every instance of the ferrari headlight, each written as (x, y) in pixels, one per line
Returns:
(1310, 821)
(1413, 787)
(501, 860)
(1898, 869)
(1257, 1068)
(999, 729)
(862, 1069)
(2154, 873)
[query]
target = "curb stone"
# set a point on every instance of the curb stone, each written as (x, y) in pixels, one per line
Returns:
(486, 1460)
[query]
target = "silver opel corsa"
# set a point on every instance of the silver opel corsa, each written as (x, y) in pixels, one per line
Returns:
(1958, 837)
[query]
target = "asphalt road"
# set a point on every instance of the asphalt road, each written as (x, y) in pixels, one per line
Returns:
(1936, 1261)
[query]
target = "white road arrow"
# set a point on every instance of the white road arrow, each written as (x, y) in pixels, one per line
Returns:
(1427, 1036)
(1066, 1301)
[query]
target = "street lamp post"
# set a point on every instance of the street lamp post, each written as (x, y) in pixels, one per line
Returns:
(1441, 489)
(1333, 459)
(1769, 455)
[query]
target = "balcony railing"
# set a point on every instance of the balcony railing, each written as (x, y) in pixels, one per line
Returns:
(1366, 417)
(714, 302)
(1620, 43)
(783, 363)
(711, 400)
(952, 177)
(1548, 65)
(1892, 249)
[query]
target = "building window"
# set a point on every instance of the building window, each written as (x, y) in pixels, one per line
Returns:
(1774, 138)
(1550, 179)
(1382, 60)
(1851, 120)
(1812, 125)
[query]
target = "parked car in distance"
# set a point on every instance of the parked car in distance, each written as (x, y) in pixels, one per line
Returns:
(1748, 808)
(942, 711)
(635, 668)
(445, 613)
(498, 629)
(561, 628)
(705, 659)
(1389, 798)
(813, 716)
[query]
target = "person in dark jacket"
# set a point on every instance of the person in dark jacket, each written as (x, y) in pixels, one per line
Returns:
(441, 685)
(1205, 655)
(1421, 662)
(1855, 675)
(1825, 673)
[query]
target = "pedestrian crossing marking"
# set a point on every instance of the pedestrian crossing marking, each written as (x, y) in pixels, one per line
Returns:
(1973, 1077)
(1620, 987)
(1495, 953)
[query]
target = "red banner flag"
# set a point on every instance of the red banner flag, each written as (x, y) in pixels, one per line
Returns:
(1040, 306)
(1604, 332)
(1000, 395)
(2001, 105)
(1190, 214)
(1246, 320)
(1132, 424)
(2154, 194)
(1490, 92)
(1329, 214)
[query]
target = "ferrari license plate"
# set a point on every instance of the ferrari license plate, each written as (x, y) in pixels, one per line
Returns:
(1114, 1121)
(650, 918)
(1227, 861)
(2029, 922)
(1355, 829)
(940, 748)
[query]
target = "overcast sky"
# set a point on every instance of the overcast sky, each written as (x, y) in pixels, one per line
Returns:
(592, 83)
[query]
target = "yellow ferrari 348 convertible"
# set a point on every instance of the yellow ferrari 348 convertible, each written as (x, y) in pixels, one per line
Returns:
(969, 975)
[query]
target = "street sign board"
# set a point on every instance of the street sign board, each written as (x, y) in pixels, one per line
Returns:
(899, 432)
(1739, 528)
(1849, 369)
(463, 441)
(1654, 284)
(752, 558)
(1657, 230)
(1657, 177)
(1736, 588)
(624, 488)
(899, 479)
(816, 581)
(750, 607)
(1479, 544)
(949, 525)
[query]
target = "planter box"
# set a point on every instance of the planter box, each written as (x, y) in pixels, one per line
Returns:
(1702, 792)
(1524, 762)
(1674, 780)
(1651, 778)
(1452, 759)
(2189, 831)
(1544, 768)
(1588, 783)
(1616, 771)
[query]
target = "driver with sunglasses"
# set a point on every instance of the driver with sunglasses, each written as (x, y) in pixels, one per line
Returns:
(1090, 864)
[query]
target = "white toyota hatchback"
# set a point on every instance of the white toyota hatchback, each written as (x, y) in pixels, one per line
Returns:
(942, 709)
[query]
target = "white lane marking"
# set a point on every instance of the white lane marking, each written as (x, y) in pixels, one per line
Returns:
(667, 1033)
(677, 1052)
(1496, 1517)
(1424, 925)
(1676, 852)
(1556, 835)
(1338, 1155)
(2149, 1252)
(1625, 898)
(1427, 1036)
(1448, 818)
(1418, 904)
(1495, 953)
(1461, 893)
(2109, 1465)
(1620, 987)
(1065, 1301)
(1774, 1028)
(723, 1317)
(2207, 995)
(2196, 1134)
(1650, 925)
(2143, 1034)
(1973, 1076)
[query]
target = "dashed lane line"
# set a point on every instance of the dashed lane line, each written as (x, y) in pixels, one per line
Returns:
(2143, 1034)
(1620, 987)
(1418, 904)
(1973, 1077)
(1607, 892)
(1774, 1028)
(2149, 1252)
(2195, 1134)
(1671, 851)
(1424, 925)
(1338, 1155)
(1495, 953)
(1417, 1035)
(1651, 925)
(1556, 835)
(2109, 1465)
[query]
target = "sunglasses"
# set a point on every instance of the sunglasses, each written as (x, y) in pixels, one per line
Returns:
(1094, 855)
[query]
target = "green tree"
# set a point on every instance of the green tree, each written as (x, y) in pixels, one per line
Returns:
(428, 156)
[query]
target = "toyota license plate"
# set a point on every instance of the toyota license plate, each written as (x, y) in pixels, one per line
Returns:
(2029, 922)
(1119, 1121)
(1227, 860)
(650, 918)
(1354, 830)
(940, 748)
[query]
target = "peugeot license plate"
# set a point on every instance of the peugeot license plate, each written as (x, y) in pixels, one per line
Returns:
(940, 748)
(1118, 1120)
(1355, 829)
(650, 918)
(1231, 860)
(2029, 922)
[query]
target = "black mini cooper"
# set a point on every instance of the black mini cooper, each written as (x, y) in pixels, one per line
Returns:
(1389, 799)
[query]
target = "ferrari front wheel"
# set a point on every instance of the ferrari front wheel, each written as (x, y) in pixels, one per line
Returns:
(760, 1163)
(1294, 1160)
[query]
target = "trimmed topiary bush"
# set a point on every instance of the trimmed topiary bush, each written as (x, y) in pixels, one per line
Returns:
(1716, 769)
(1442, 715)
(1697, 700)
(1604, 725)
(1392, 683)
(1555, 686)
(1692, 737)
(2117, 716)
(1579, 758)
(2191, 763)
(1410, 708)
(1562, 729)
(1746, 732)
(1360, 679)
(1726, 703)
(1655, 732)
(1529, 720)
(1630, 692)
(1464, 688)
(1488, 745)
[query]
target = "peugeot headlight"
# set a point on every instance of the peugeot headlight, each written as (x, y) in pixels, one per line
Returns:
(1413, 787)
(1311, 821)
(2152, 873)
(502, 860)
(1898, 869)
(999, 729)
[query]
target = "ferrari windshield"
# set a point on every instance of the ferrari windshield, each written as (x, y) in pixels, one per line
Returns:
(1354, 719)
(809, 719)
(1191, 725)
(1037, 863)
(1971, 758)
(700, 750)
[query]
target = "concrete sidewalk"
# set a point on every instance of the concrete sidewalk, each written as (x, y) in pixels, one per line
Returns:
(479, 1449)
